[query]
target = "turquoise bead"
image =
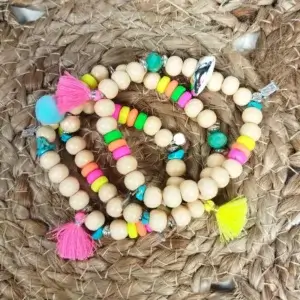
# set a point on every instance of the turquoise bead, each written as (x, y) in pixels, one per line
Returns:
(98, 234)
(154, 62)
(145, 218)
(43, 146)
(178, 154)
(255, 104)
(140, 192)
(217, 139)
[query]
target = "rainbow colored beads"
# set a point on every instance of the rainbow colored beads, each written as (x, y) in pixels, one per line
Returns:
(246, 141)
(238, 155)
(140, 121)
(177, 93)
(92, 176)
(121, 151)
(162, 84)
(132, 230)
(98, 183)
(89, 80)
(112, 136)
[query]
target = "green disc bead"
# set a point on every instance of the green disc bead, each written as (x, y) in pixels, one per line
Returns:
(112, 136)
(217, 139)
(154, 62)
(140, 121)
(177, 93)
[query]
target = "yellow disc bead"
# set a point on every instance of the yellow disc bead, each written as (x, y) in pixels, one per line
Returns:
(162, 84)
(98, 183)
(246, 141)
(123, 115)
(132, 230)
(89, 80)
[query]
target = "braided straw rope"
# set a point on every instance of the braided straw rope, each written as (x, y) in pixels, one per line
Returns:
(264, 262)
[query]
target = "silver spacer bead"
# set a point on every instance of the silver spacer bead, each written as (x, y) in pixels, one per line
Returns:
(144, 64)
(164, 59)
(214, 127)
(111, 70)
(106, 231)
(88, 208)
(257, 97)
(172, 148)
(171, 222)
(221, 151)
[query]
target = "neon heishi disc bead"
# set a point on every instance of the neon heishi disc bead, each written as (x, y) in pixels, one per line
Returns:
(154, 62)
(217, 139)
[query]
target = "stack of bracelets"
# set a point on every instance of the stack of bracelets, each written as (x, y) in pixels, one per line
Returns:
(184, 199)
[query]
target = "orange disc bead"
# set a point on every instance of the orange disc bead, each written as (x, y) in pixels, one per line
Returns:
(116, 144)
(242, 148)
(141, 229)
(89, 168)
(171, 87)
(132, 117)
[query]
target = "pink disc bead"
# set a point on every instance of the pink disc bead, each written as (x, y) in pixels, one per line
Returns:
(94, 175)
(120, 152)
(117, 111)
(184, 99)
(238, 155)
(148, 228)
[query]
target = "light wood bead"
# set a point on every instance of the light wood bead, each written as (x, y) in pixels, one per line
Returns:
(70, 124)
(104, 108)
(174, 66)
(208, 188)
(133, 180)
(193, 108)
(109, 88)
(126, 164)
(54, 126)
(174, 181)
(49, 159)
(58, 173)
(132, 213)
(122, 79)
(114, 207)
(107, 192)
(196, 208)
(77, 110)
(230, 85)
(172, 196)
(94, 220)
(233, 167)
(121, 67)
(79, 200)
(206, 118)
(75, 144)
(215, 82)
(181, 215)
(205, 172)
(163, 138)
(89, 107)
(175, 167)
(215, 160)
(251, 130)
(189, 190)
(152, 125)
(158, 220)
(252, 115)
(189, 67)
(106, 124)
(100, 72)
(47, 132)
(220, 176)
(153, 197)
(136, 72)
(69, 186)
(151, 80)
(83, 157)
(118, 230)
(242, 96)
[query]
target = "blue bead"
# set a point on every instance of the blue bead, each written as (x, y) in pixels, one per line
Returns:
(178, 154)
(46, 110)
(43, 146)
(217, 139)
(154, 62)
(145, 218)
(65, 137)
(140, 192)
(255, 104)
(98, 234)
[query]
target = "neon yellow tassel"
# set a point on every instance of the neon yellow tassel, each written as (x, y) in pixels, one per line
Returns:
(231, 217)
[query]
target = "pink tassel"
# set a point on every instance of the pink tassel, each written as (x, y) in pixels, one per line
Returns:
(71, 92)
(73, 242)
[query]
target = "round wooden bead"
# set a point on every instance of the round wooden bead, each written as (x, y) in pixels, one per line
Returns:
(77, 110)
(89, 107)
(106, 124)
(126, 164)
(47, 132)
(189, 67)
(133, 180)
(136, 72)
(242, 96)
(208, 188)
(215, 82)
(206, 118)
(58, 173)
(94, 220)
(174, 65)
(100, 72)
(220, 176)
(114, 207)
(196, 208)
(152, 125)
(107, 192)
(163, 138)
(251, 130)
(69, 186)
(109, 88)
(79, 200)
(153, 197)
(121, 78)
(189, 190)
(83, 157)
(181, 215)
(215, 160)
(70, 124)
(233, 167)
(104, 108)
(193, 108)
(118, 230)
(252, 115)
(75, 144)
(172, 196)
(175, 167)
(230, 85)
(205, 172)
(54, 126)
(151, 80)
(174, 181)
(158, 220)
(132, 213)
(121, 67)
(49, 160)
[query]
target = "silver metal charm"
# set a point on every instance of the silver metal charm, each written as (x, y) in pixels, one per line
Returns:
(164, 59)
(214, 127)
(171, 222)
(29, 131)
(269, 89)
(144, 64)
(106, 231)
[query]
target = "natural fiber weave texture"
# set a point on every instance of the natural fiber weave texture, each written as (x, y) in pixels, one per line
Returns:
(76, 35)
